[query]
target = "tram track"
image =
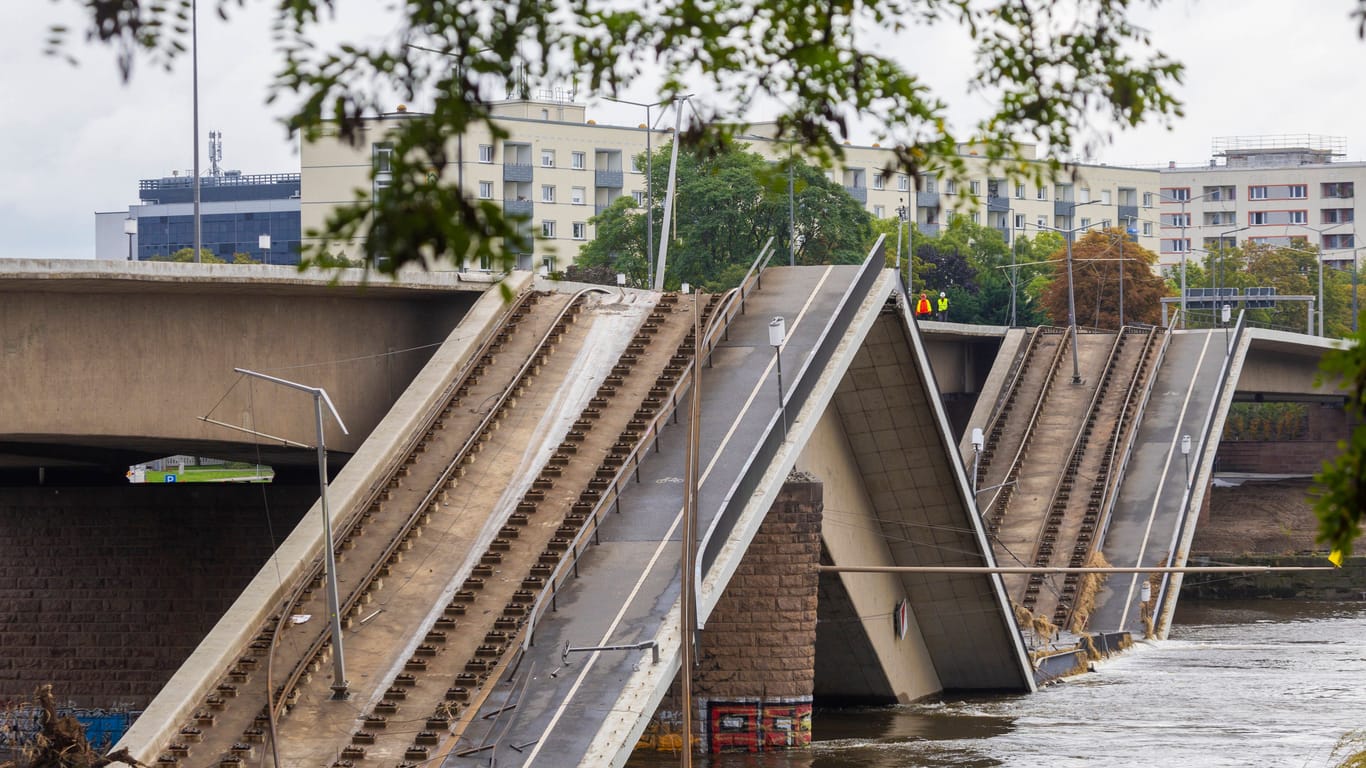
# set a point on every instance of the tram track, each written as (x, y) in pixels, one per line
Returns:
(232, 724)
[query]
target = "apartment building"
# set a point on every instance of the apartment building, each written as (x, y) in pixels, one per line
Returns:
(558, 169)
(1277, 190)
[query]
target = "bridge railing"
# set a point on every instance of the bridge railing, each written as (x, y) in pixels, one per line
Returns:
(747, 482)
(1198, 460)
(568, 564)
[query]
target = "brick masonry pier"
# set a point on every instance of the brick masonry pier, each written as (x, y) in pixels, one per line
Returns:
(105, 591)
(757, 656)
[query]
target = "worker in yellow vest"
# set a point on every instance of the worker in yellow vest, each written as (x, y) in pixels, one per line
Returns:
(943, 306)
(922, 308)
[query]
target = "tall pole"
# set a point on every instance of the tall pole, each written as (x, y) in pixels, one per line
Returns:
(1185, 250)
(669, 200)
(1123, 233)
(1014, 271)
(339, 684)
(649, 199)
(687, 598)
(1320, 256)
(194, 86)
(792, 215)
(1356, 267)
(1072, 314)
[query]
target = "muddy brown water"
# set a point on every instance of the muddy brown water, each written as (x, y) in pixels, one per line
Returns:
(1257, 683)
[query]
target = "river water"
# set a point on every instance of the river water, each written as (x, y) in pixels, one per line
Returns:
(1262, 683)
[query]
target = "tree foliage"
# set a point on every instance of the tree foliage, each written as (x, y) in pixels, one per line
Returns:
(1048, 67)
(1341, 485)
(1096, 264)
(728, 204)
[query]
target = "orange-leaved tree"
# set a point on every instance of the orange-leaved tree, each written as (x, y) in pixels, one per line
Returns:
(1097, 257)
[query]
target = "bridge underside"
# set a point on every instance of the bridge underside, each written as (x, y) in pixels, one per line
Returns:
(902, 502)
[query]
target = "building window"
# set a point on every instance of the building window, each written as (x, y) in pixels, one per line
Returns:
(485, 190)
(547, 158)
(580, 230)
(1041, 222)
(1337, 189)
(577, 161)
(879, 181)
(639, 196)
(1176, 246)
(1299, 217)
(1085, 222)
(485, 153)
(1256, 193)
(879, 212)
(1337, 242)
(1147, 229)
(1105, 197)
(1176, 194)
(976, 217)
(635, 164)
(548, 229)
(1147, 199)
(1041, 193)
(902, 182)
(1258, 217)
(547, 193)
(1298, 191)
(384, 158)
(950, 187)
(1176, 219)
(929, 183)
(1338, 215)
(1019, 191)
(975, 187)
(1019, 221)
(577, 195)
(1084, 195)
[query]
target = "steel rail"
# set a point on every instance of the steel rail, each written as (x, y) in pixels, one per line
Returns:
(354, 596)
(1001, 499)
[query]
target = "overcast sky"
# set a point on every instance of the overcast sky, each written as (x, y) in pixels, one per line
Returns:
(80, 139)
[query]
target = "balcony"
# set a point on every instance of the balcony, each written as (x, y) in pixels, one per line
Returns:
(858, 193)
(519, 208)
(517, 172)
(997, 203)
(608, 179)
(1127, 213)
(929, 230)
(1064, 208)
(927, 200)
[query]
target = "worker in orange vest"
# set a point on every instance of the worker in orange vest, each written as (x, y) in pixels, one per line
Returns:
(922, 307)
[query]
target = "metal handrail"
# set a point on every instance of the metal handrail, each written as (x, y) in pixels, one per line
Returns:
(748, 478)
(1200, 455)
(1004, 491)
(354, 596)
(716, 325)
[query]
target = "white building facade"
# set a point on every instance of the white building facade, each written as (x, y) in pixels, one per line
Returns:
(1277, 190)
(559, 169)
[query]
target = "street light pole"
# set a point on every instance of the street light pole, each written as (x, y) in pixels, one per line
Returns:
(130, 228)
(649, 188)
(900, 223)
(777, 334)
(339, 684)
(1071, 291)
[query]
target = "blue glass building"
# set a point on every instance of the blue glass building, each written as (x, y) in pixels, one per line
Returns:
(235, 210)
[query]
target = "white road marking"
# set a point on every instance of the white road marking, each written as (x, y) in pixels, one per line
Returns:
(666, 541)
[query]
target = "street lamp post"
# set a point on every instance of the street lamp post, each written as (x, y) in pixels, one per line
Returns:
(777, 334)
(649, 188)
(1071, 291)
(339, 684)
(130, 228)
(900, 223)
(1319, 256)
